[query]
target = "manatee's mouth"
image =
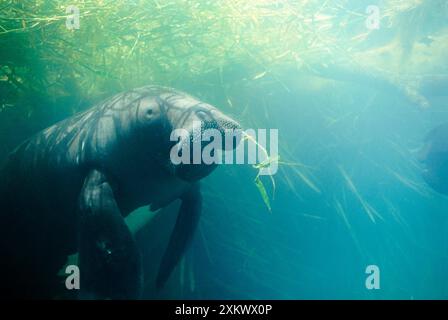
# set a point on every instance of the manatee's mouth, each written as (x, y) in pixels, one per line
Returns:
(194, 172)
(201, 135)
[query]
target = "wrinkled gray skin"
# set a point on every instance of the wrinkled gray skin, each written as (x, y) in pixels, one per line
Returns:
(69, 187)
(434, 156)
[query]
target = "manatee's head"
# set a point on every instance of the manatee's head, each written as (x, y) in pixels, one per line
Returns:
(178, 121)
(434, 158)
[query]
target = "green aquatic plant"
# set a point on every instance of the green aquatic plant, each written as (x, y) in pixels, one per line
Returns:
(259, 166)
(260, 186)
(266, 164)
(123, 44)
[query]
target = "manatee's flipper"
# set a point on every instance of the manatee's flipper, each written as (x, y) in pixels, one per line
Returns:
(182, 234)
(110, 265)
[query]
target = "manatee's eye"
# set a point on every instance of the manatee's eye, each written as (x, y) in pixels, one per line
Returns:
(149, 113)
(202, 115)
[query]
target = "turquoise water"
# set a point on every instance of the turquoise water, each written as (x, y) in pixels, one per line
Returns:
(360, 200)
(349, 192)
(318, 244)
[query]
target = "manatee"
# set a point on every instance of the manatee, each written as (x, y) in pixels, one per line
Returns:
(68, 189)
(434, 157)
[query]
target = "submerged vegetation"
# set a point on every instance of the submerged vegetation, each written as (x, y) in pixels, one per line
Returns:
(123, 44)
(220, 50)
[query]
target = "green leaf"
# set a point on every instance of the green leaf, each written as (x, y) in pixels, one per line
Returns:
(263, 193)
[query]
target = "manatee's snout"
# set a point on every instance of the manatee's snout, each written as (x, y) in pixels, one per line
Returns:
(224, 121)
(206, 121)
(229, 128)
(205, 125)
